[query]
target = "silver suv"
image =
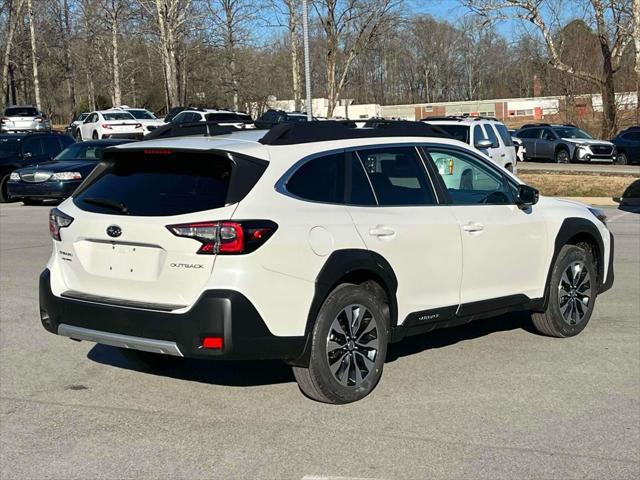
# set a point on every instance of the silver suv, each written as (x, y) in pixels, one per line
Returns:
(564, 143)
(24, 118)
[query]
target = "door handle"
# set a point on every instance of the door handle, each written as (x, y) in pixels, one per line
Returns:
(380, 231)
(473, 227)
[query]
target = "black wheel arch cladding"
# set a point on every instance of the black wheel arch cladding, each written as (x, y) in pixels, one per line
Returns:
(344, 266)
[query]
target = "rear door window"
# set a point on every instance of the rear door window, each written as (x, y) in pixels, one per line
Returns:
(398, 176)
(459, 132)
(158, 185)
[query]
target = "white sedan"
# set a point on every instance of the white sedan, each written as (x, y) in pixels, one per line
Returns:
(148, 120)
(109, 124)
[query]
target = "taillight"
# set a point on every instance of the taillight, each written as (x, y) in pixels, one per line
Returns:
(106, 125)
(4, 120)
(58, 220)
(230, 238)
(39, 119)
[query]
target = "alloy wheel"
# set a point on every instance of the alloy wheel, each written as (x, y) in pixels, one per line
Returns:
(574, 295)
(352, 345)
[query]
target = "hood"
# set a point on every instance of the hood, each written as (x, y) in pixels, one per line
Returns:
(84, 166)
(587, 141)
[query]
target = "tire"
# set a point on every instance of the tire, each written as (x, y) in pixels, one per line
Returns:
(95, 136)
(509, 167)
(4, 191)
(341, 369)
(148, 360)
(31, 201)
(566, 314)
(78, 135)
(621, 159)
(562, 156)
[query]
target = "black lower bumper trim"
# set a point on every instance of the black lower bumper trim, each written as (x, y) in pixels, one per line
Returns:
(217, 313)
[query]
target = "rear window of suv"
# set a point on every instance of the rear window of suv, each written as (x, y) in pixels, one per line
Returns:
(459, 132)
(158, 185)
(21, 112)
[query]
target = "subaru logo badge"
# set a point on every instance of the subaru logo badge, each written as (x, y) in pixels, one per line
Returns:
(114, 231)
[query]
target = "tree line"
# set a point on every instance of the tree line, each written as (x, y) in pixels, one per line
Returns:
(67, 56)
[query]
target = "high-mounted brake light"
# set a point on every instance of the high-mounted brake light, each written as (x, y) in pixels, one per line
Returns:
(58, 220)
(157, 151)
(230, 238)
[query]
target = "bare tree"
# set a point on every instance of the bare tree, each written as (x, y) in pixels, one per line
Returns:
(13, 15)
(611, 21)
(34, 55)
(636, 40)
(114, 12)
(352, 24)
(230, 20)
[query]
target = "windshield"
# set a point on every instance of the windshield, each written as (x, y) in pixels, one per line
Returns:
(21, 112)
(82, 151)
(571, 132)
(118, 116)
(81, 117)
(8, 146)
(459, 132)
(142, 114)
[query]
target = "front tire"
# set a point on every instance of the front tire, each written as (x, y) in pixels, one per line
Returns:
(348, 347)
(4, 190)
(572, 294)
(621, 159)
(562, 156)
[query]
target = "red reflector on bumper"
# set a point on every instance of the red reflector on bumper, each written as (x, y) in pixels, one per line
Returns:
(212, 342)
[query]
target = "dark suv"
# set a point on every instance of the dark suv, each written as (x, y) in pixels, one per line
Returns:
(22, 149)
(628, 144)
(564, 143)
(273, 117)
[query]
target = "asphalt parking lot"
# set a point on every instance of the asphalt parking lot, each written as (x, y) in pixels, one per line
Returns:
(489, 400)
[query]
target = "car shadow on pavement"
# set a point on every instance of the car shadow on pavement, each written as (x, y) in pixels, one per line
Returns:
(225, 372)
(267, 372)
(450, 336)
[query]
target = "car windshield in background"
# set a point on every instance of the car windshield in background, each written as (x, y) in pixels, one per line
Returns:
(8, 146)
(82, 151)
(21, 112)
(571, 132)
(222, 117)
(142, 114)
(296, 118)
(459, 132)
(159, 186)
(81, 117)
(118, 116)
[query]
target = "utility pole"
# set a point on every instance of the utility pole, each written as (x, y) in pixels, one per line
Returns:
(307, 66)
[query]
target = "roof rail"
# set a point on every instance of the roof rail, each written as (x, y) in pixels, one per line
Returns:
(308, 132)
(526, 125)
(206, 129)
(460, 118)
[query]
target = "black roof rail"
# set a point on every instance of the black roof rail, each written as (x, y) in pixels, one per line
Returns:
(321, 131)
(206, 129)
(527, 125)
(443, 117)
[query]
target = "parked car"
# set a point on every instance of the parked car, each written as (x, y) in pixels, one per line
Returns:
(21, 149)
(148, 120)
(182, 246)
(58, 178)
(563, 143)
(24, 118)
(113, 123)
(274, 117)
(627, 144)
(487, 134)
(173, 112)
(75, 123)
(224, 118)
(521, 151)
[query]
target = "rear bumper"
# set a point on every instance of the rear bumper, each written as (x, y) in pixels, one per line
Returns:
(217, 313)
(134, 136)
(42, 190)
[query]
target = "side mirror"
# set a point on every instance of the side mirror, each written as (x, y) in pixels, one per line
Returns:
(483, 144)
(527, 196)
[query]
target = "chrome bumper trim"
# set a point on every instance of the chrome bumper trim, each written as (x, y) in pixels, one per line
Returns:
(117, 340)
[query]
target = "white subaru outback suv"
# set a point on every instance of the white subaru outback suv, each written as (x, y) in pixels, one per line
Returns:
(317, 244)
(487, 134)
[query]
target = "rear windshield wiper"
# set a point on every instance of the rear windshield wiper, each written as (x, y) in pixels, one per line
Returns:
(112, 204)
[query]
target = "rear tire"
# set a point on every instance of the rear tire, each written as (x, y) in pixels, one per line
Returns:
(149, 360)
(562, 156)
(573, 289)
(78, 135)
(348, 347)
(621, 159)
(95, 136)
